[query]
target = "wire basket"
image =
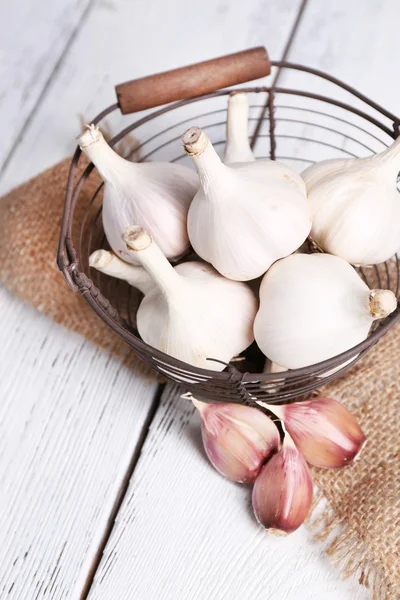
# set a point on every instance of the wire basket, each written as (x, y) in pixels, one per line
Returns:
(295, 125)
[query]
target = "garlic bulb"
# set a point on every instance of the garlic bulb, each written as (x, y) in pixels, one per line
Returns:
(194, 316)
(283, 491)
(237, 439)
(237, 147)
(108, 263)
(155, 195)
(324, 431)
(313, 307)
(245, 216)
(273, 368)
(355, 206)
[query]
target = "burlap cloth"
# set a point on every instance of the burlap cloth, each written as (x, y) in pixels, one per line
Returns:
(357, 508)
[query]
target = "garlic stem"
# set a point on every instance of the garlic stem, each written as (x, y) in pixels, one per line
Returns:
(152, 259)
(208, 164)
(106, 160)
(237, 136)
(382, 303)
(108, 263)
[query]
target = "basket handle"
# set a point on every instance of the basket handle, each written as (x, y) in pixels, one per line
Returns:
(193, 80)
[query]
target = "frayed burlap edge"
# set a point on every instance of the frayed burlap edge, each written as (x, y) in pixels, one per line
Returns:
(345, 551)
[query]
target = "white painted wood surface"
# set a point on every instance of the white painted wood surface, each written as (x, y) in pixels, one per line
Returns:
(70, 418)
(34, 37)
(186, 532)
(68, 432)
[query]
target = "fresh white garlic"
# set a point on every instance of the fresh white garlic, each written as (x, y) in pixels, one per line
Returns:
(238, 439)
(108, 263)
(324, 431)
(194, 316)
(314, 307)
(282, 493)
(355, 206)
(245, 216)
(155, 195)
(273, 368)
(237, 147)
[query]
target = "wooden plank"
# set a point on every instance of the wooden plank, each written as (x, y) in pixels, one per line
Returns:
(343, 40)
(34, 37)
(68, 446)
(186, 532)
(355, 42)
(123, 40)
(71, 417)
(117, 42)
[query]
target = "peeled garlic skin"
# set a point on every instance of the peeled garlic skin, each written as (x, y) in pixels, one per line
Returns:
(282, 493)
(237, 439)
(324, 431)
(312, 307)
(355, 209)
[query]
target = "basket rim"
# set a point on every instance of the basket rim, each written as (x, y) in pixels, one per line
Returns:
(68, 257)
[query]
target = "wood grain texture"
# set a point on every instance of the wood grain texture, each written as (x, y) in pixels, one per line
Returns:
(193, 80)
(186, 532)
(141, 38)
(355, 42)
(71, 417)
(34, 38)
(67, 433)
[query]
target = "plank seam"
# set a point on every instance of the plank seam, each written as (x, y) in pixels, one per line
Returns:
(122, 493)
(284, 56)
(47, 84)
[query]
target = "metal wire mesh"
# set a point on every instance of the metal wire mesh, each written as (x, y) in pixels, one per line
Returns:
(309, 127)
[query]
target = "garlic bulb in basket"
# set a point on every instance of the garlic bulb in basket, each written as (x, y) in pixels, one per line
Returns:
(108, 263)
(355, 206)
(245, 216)
(313, 307)
(194, 316)
(155, 195)
(237, 147)
(237, 439)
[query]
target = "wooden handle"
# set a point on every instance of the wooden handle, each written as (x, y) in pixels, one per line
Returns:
(194, 80)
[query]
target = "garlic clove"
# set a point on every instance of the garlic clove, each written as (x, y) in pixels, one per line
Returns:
(237, 439)
(314, 307)
(178, 317)
(282, 493)
(347, 219)
(108, 263)
(156, 195)
(324, 431)
(237, 147)
(245, 216)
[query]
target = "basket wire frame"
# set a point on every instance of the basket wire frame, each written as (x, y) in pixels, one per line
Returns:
(369, 128)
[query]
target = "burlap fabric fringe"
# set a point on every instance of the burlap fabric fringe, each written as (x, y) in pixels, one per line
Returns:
(30, 220)
(360, 519)
(357, 508)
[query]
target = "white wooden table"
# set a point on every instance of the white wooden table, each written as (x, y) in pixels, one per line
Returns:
(105, 492)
